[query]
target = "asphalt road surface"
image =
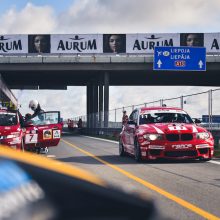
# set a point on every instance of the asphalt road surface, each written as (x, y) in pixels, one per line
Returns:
(186, 190)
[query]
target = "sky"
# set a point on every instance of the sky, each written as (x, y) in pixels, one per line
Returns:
(108, 16)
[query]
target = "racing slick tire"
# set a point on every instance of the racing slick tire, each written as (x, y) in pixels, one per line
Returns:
(137, 152)
(121, 149)
(205, 159)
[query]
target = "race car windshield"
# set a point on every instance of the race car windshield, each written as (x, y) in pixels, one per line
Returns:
(165, 118)
(46, 118)
(8, 119)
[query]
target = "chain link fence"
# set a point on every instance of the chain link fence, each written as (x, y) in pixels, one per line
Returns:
(203, 105)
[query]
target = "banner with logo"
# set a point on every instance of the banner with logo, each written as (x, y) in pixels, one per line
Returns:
(13, 44)
(76, 43)
(143, 43)
(212, 42)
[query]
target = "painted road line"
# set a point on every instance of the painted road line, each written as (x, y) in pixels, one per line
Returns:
(101, 139)
(51, 156)
(149, 185)
(215, 162)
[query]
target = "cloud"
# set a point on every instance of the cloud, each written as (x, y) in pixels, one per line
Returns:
(31, 19)
(124, 16)
(99, 16)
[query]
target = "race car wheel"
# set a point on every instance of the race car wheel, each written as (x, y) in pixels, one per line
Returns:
(121, 149)
(204, 159)
(137, 152)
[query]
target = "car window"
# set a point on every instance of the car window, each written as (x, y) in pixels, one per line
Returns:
(133, 116)
(46, 118)
(164, 118)
(8, 119)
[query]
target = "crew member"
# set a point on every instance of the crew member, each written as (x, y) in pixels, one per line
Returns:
(124, 118)
(35, 106)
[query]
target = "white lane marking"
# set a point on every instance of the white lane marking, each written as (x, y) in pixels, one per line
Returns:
(51, 156)
(215, 162)
(101, 139)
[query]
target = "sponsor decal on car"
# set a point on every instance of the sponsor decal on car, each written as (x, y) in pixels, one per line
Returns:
(47, 134)
(181, 146)
(56, 134)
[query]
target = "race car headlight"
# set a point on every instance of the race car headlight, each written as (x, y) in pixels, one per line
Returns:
(202, 135)
(153, 137)
(12, 135)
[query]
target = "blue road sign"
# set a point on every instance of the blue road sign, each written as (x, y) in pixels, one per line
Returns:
(180, 58)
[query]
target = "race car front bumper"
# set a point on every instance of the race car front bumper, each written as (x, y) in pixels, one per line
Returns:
(201, 151)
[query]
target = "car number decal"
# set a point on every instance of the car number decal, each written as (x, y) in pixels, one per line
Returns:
(31, 138)
(177, 128)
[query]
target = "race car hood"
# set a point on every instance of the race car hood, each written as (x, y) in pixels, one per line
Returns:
(4, 130)
(167, 128)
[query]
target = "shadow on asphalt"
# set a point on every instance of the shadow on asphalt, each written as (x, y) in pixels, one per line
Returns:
(115, 159)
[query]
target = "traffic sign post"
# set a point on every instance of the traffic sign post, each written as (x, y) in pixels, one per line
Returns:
(180, 58)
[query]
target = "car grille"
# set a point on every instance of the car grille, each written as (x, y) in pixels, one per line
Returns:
(180, 153)
(179, 137)
(172, 137)
(186, 137)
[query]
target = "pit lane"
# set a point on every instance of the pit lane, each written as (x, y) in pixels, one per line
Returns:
(196, 182)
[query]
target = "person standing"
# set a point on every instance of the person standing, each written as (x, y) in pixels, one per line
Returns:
(35, 106)
(124, 118)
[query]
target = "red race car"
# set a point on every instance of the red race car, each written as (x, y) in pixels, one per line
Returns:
(34, 134)
(11, 133)
(163, 132)
(42, 131)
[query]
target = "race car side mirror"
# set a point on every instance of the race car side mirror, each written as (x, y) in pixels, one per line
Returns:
(197, 121)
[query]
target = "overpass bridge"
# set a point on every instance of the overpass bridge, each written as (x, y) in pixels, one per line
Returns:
(62, 60)
(98, 72)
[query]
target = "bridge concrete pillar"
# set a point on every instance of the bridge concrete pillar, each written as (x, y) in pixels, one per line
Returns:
(100, 104)
(89, 104)
(106, 99)
(94, 105)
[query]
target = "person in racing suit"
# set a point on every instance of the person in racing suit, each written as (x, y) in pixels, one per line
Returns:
(35, 106)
